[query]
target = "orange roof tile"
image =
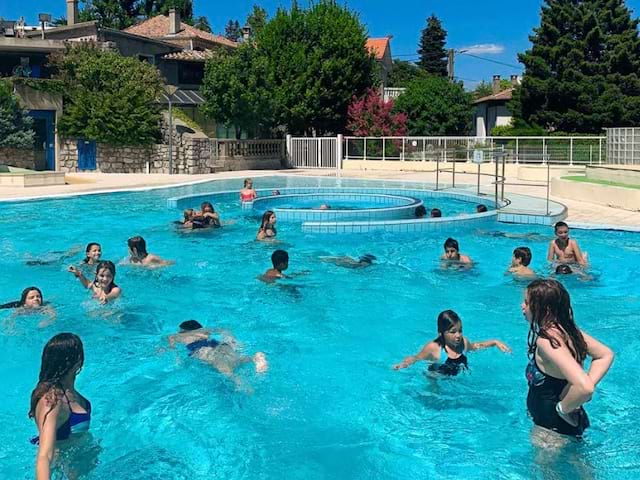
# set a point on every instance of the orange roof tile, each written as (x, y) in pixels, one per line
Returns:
(504, 95)
(158, 27)
(191, 55)
(378, 46)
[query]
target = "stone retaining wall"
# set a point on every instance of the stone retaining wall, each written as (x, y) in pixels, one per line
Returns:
(18, 157)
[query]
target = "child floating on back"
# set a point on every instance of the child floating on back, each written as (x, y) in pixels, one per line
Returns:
(520, 263)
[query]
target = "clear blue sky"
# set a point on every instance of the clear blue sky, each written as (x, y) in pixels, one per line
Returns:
(497, 29)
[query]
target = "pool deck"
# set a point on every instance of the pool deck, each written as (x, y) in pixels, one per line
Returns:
(525, 198)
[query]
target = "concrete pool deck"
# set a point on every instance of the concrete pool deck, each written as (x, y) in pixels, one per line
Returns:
(525, 196)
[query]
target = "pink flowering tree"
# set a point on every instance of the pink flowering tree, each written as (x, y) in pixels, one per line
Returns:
(370, 116)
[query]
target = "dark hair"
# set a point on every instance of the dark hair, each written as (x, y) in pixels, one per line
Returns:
(563, 269)
(451, 243)
(279, 257)
(524, 254)
(481, 208)
(86, 250)
(367, 258)
(109, 266)
(446, 320)
(23, 298)
(207, 205)
(138, 247)
(62, 353)
(550, 307)
(435, 213)
(558, 225)
(420, 211)
(189, 325)
(265, 220)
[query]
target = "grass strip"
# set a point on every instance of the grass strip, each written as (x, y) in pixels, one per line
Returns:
(584, 179)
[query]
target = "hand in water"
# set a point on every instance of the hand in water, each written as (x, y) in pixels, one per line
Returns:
(571, 418)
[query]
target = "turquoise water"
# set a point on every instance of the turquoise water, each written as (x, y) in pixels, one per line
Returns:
(330, 406)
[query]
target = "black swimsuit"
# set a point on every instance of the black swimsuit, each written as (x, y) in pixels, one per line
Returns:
(544, 394)
(450, 366)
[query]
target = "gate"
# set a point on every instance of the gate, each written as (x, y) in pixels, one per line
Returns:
(86, 154)
(314, 152)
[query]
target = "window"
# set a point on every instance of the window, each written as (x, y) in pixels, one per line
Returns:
(190, 73)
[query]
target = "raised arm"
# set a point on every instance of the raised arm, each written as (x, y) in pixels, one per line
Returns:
(427, 353)
(602, 358)
(78, 274)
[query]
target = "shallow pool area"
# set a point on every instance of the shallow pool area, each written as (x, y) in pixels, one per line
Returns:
(330, 406)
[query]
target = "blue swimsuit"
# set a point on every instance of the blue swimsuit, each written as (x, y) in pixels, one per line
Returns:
(75, 423)
(193, 347)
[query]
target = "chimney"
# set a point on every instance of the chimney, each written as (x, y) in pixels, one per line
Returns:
(174, 21)
(495, 85)
(514, 80)
(72, 12)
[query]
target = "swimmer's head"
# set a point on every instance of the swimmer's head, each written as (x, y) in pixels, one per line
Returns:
(563, 269)
(248, 183)
(275, 193)
(561, 229)
(31, 297)
(137, 248)
(367, 258)
(280, 260)
(481, 208)
(449, 329)
(268, 218)
(523, 254)
(206, 207)
(436, 213)
(420, 211)
(451, 249)
(105, 274)
(189, 325)
(93, 252)
(325, 206)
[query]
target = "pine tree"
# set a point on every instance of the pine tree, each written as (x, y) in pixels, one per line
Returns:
(232, 30)
(581, 73)
(433, 56)
(202, 23)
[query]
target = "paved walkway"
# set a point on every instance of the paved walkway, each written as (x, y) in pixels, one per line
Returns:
(78, 183)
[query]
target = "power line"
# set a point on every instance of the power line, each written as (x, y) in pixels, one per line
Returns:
(490, 60)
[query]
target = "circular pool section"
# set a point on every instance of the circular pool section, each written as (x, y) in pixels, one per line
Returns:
(320, 207)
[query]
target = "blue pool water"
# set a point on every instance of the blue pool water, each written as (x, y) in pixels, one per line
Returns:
(330, 406)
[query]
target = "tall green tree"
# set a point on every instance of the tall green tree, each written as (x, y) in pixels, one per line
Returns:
(433, 56)
(15, 124)
(202, 23)
(581, 72)
(256, 20)
(161, 7)
(116, 14)
(436, 106)
(403, 72)
(484, 89)
(108, 98)
(232, 30)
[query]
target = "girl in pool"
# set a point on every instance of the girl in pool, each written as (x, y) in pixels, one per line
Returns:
(93, 253)
(31, 301)
(248, 194)
(59, 411)
(558, 384)
(267, 228)
(447, 351)
(565, 249)
(138, 254)
(103, 287)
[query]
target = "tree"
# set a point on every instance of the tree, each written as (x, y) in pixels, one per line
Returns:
(116, 14)
(202, 23)
(256, 20)
(162, 7)
(15, 124)
(484, 89)
(581, 73)
(433, 56)
(371, 116)
(403, 72)
(436, 106)
(232, 30)
(108, 98)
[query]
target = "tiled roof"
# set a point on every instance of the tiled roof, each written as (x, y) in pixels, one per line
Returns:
(158, 27)
(190, 55)
(378, 46)
(503, 96)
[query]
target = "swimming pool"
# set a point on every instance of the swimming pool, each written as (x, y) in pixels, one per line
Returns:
(330, 405)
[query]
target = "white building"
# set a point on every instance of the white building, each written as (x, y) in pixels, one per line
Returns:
(491, 111)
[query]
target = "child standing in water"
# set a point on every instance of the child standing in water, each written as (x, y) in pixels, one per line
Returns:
(565, 249)
(452, 254)
(520, 263)
(280, 261)
(447, 351)
(248, 194)
(103, 287)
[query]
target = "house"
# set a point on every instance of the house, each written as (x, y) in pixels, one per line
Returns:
(380, 48)
(491, 111)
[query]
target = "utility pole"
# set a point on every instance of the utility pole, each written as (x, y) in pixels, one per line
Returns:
(450, 64)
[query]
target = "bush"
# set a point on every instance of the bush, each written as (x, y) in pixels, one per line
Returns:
(15, 124)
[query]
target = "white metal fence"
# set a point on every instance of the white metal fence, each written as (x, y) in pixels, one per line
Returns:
(314, 152)
(623, 145)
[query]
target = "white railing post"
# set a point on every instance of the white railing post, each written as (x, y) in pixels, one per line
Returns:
(444, 151)
(571, 151)
(600, 151)
(384, 149)
(288, 153)
(402, 157)
(424, 153)
(365, 148)
(517, 150)
(544, 150)
(339, 154)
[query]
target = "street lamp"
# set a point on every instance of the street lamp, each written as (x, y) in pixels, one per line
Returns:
(170, 90)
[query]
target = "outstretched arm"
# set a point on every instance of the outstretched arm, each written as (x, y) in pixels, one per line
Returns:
(78, 274)
(427, 353)
(473, 346)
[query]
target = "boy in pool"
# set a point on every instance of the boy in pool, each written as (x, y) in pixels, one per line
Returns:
(220, 355)
(520, 263)
(280, 261)
(420, 211)
(452, 255)
(565, 249)
(436, 213)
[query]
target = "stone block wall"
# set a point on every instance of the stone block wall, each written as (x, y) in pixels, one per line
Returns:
(18, 157)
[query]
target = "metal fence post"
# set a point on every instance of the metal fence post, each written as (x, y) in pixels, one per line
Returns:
(339, 154)
(384, 148)
(402, 158)
(365, 148)
(288, 153)
(424, 156)
(517, 150)
(544, 150)
(571, 151)
(600, 151)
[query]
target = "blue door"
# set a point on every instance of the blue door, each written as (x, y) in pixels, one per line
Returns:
(44, 126)
(86, 154)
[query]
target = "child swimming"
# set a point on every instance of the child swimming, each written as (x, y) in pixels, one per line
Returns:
(103, 287)
(520, 263)
(436, 213)
(267, 228)
(420, 211)
(280, 262)
(452, 254)
(248, 194)
(32, 301)
(138, 254)
(565, 249)
(93, 252)
(447, 351)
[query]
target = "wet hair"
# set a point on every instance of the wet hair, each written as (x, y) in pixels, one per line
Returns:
(247, 181)
(23, 298)
(435, 213)
(420, 211)
(550, 307)
(60, 355)
(524, 254)
(89, 247)
(265, 219)
(558, 225)
(207, 205)
(446, 320)
(563, 269)
(138, 247)
(189, 325)
(451, 243)
(279, 257)
(367, 258)
(481, 208)
(109, 266)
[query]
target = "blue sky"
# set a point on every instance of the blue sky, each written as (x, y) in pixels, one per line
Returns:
(497, 29)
